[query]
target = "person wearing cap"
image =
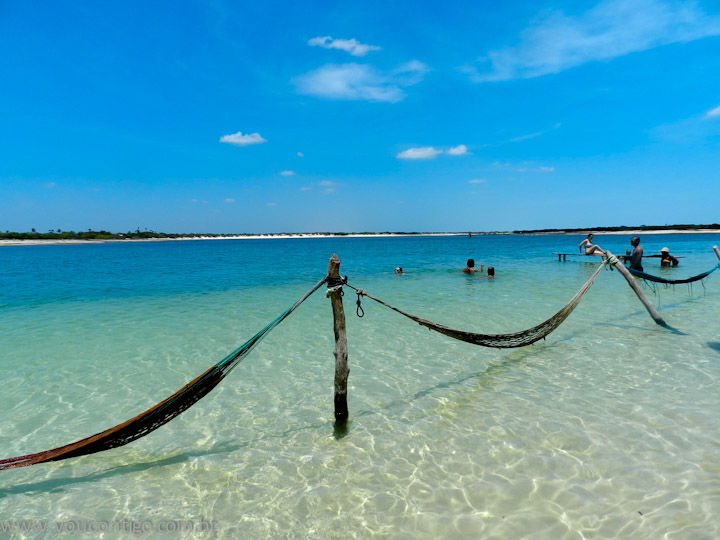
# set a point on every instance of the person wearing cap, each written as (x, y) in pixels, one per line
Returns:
(666, 259)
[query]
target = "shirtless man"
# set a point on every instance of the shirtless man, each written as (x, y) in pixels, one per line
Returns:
(590, 248)
(637, 254)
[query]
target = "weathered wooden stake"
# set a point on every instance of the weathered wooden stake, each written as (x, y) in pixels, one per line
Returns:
(715, 249)
(620, 267)
(341, 350)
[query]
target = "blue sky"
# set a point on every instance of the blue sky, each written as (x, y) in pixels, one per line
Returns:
(358, 116)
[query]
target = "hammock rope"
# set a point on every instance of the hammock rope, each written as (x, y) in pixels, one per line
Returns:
(163, 412)
(501, 341)
(658, 279)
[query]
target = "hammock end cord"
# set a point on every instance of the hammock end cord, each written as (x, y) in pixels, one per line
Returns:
(337, 283)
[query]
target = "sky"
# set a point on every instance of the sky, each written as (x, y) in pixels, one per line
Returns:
(373, 116)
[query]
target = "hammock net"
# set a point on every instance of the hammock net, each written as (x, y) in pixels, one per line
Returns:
(504, 341)
(161, 413)
(658, 279)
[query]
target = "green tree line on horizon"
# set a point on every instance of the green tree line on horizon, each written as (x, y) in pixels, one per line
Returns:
(90, 234)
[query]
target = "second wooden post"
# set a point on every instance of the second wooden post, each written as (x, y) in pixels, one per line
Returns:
(624, 272)
(341, 350)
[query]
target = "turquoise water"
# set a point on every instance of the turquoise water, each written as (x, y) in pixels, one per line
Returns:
(607, 429)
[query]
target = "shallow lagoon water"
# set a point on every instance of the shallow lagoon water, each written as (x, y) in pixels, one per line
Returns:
(607, 429)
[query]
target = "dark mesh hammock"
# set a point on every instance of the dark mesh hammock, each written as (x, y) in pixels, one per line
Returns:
(161, 413)
(658, 279)
(503, 341)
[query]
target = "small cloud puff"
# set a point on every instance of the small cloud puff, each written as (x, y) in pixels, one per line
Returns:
(477, 181)
(229, 200)
(328, 185)
(459, 150)
(271, 204)
(50, 185)
(352, 46)
(423, 152)
(238, 139)
(541, 169)
(287, 173)
(430, 152)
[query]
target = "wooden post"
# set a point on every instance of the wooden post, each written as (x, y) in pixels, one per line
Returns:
(341, 350)
(715, 249)
(620, 267)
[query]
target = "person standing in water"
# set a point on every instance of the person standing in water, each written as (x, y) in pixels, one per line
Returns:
(666, 259)
(636, 255)
(470, 267)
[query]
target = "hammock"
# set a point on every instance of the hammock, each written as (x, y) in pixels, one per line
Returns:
(161, 413)
(658, 279)
(504, 341)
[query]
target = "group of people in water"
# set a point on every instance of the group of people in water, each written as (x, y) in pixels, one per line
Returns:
(635, 255)
(469, 269)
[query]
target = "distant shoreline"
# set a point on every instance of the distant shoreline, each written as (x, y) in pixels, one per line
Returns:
(271, 236)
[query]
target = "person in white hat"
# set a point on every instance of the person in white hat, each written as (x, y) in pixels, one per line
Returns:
(666, 259)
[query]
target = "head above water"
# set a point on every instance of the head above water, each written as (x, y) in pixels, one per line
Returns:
(664, 250)
(491, 270)
(470, 263)
(635, 240)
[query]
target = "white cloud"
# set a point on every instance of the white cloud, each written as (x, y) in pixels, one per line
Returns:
(477, 181)
(459, 150)
(272, 204)
(229, 200)
(328, 186)
(712, 113)
(287, 173)
(612, 28)
(50, 185)
(360, 82)
(430, 152)
(541, 169)
(423, 152)
(238, 139)
(352, 46)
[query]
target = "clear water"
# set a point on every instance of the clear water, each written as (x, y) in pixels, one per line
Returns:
(608, 429)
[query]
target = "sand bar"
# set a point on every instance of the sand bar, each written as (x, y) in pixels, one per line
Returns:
(43, 242)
